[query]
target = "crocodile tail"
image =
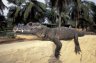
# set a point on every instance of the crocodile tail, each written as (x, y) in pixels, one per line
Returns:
(81, 33)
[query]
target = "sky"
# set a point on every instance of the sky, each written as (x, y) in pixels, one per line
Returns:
(8, 5)
(93, 1)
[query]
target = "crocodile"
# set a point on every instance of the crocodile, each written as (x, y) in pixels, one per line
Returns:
(54, 35)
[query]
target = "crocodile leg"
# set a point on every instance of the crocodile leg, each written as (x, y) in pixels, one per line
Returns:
(58, 47)
(77, 46)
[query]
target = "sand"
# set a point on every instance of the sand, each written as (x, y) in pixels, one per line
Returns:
(37, 51)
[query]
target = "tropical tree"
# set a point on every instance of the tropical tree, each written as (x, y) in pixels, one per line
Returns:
(86, 14)
(92, 13)
(2, 17)
(62, 11)
(80, 13)
(2, 6)
(28, 11)
(60, 6)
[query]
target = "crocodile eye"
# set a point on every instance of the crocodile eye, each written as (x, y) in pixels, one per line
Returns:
(30, 24)
(31, 28)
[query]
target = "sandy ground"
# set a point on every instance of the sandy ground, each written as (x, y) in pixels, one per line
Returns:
(37, 51)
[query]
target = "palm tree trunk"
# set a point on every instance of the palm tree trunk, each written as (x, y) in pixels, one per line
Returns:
(59, 20)
(76, 23)
(77, 18)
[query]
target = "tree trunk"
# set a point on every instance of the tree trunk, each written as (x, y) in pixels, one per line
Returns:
(59, 21)
(76, 24)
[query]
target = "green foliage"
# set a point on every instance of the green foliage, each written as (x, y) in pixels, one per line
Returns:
(17, 12)
(51, 15)
(28, 9)
(31, 11)
(62, 11)
(17, 2)
(2, 6)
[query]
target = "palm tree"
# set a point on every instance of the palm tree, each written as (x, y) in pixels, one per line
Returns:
(2, 6)
(81, 14)
(3, 23)
(92, 10)
(28, 11)
(61, 6)
(92, 15)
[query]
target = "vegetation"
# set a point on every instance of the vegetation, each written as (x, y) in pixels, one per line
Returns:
(75, 13)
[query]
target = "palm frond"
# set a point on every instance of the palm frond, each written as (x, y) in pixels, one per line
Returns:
(28, 10)
(17, 11)
(2, 6)
(17, 2)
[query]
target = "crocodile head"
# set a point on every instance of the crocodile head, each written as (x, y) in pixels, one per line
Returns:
(30, 28)
(35, 27)
(21, 28)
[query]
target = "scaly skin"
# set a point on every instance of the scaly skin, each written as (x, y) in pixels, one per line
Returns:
(55, 35)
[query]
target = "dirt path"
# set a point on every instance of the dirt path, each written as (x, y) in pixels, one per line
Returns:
(37, 51)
